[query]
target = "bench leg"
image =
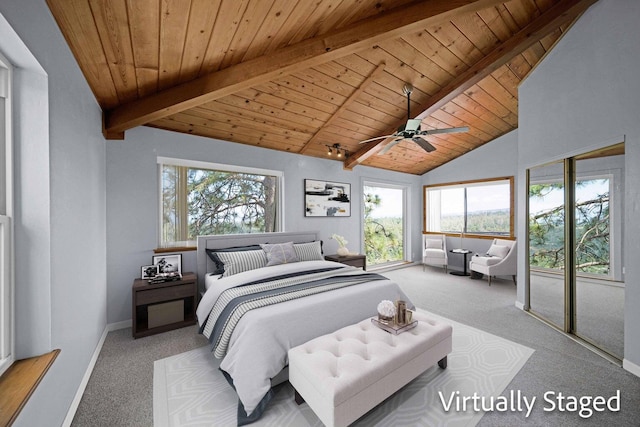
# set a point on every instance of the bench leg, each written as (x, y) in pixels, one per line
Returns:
(442, 363)
(299, 399)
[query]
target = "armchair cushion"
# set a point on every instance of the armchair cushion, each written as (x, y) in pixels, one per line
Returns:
(486, 260)
(434, 253)
(433, 244)
(499, 251)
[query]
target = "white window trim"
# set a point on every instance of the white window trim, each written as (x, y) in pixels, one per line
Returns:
(7, 286)
(220, 167)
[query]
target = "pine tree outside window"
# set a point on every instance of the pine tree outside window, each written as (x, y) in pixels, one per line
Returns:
(199, 198)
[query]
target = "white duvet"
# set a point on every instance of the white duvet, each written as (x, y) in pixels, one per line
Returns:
(258, 347)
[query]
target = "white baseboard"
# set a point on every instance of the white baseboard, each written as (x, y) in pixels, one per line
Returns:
(119, 325)
(631, 367)
(92, 363)
(519, 305)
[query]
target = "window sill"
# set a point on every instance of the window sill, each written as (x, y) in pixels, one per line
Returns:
(174, 249)
(19, 382)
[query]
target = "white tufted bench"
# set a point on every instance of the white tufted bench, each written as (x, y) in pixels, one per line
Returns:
(345, 374)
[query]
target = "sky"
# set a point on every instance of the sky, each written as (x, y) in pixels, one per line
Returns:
(391, 202)
(556, 197)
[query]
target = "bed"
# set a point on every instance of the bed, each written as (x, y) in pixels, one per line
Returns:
(253, 313)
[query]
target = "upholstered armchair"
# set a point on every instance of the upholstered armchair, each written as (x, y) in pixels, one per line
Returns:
(434, 250)
(500, 260)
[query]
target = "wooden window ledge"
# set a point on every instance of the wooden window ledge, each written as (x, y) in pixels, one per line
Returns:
(18, 383)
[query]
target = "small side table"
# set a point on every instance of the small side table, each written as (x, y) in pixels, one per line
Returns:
(464, 252)
(145, 295)
(357, 260)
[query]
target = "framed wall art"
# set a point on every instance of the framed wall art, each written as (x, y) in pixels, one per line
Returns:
(326, 198)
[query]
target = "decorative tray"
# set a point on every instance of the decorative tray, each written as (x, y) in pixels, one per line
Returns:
(394, 328)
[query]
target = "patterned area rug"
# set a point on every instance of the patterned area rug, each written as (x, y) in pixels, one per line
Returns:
(189, 390)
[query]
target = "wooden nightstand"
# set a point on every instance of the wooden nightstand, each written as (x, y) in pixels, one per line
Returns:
(354, 260)
(158, 302)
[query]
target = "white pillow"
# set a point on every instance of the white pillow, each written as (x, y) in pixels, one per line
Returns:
(433, 244)
(499, 251)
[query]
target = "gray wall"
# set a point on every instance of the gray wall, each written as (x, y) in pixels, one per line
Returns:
(60, 224)
(132, 199)
(496, 159)
(586, 95)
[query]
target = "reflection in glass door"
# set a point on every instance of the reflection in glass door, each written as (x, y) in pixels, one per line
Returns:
(576, 280)
(546, 243)
(599, 289)
(384, 219)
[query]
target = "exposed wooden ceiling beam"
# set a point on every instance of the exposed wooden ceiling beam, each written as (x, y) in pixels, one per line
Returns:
(308, 53)
(559, 14)
(374, 74)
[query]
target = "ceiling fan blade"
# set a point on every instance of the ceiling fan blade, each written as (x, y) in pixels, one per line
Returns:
(423, 144)
(375, 139)
(389, 146)
(448, 130)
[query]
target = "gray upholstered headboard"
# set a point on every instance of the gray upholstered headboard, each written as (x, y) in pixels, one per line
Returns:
(231, 240)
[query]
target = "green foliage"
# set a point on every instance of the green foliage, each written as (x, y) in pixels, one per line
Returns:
(494, 222)
(546, 233)
(216, 202)
(383, 237)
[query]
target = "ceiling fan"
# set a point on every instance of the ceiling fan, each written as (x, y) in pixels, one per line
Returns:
(411, 130)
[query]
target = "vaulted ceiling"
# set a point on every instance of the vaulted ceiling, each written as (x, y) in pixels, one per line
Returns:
(301, 75)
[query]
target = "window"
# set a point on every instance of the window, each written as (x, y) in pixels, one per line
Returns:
(481, 208)
(6, 208)
(384, 223)
(198, 198)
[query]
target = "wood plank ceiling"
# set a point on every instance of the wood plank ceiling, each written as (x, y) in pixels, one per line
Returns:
(300, 75)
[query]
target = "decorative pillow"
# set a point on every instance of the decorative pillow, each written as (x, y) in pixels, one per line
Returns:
(433, 244)
(279, 253)
(311, 251)
(239, 261)
(499, 251)
(212, 253)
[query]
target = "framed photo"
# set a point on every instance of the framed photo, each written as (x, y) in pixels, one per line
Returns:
(168, 263)
(149, 271)
(326, 198)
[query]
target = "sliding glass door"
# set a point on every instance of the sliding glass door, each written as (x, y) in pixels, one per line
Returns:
(599, 286)
(575, 246)
(547, 291)
(384, 223)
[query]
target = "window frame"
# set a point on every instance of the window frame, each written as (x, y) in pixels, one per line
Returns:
(197, 164)
(7, 282)
(474, 183)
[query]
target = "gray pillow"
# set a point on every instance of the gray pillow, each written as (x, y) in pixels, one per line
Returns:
(311, 251)
(280, 253)
(237, 262)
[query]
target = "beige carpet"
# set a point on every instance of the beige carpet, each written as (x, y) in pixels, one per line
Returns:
(189, 390)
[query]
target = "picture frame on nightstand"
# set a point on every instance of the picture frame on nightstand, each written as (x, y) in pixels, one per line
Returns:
(149, 271)
(171, 263)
